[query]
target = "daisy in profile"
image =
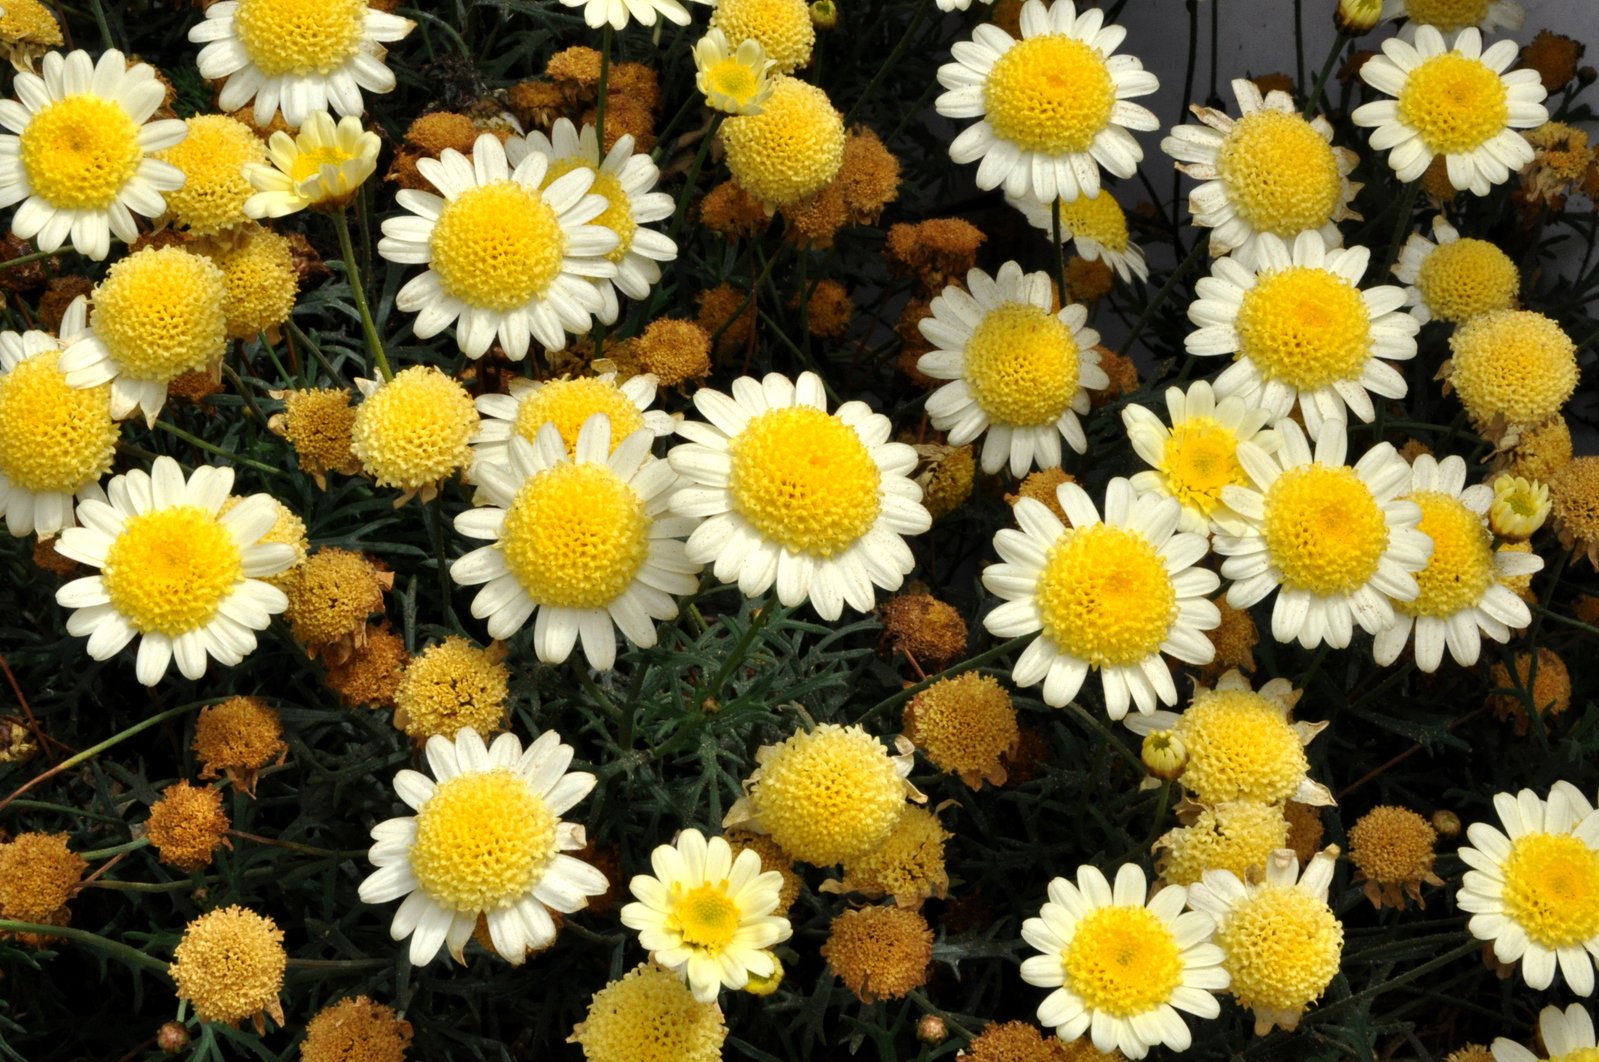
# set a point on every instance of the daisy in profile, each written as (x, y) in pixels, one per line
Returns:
(789, 494)
(1300, 329)
(624, 180)
(487, 841)
(1268, 171)
(1447, 16)
(78, 149)
(732, 80)
(300, 56)
(1455, 100)
(567, 403)
(175, 572)
(321, 167)
(1341, 542)
(1051, 108)
(1116, 595)
(55, 439)
(1098, 228)
(582, 540)
(707, 915)
(1567, 1035)
(1122, 963)
(507, 256)
(1194, 458)
(1463, 587)
(1451, 279)
(1531, 887)
(1019, 371)
(619, 13)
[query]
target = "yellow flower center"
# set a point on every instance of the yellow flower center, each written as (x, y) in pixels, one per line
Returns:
(1050, 94)
(1552, 889)
(1123, 961)
(1447, 15)
(498, 247)
(169, 569)
(1200, 458)
(1105, 596)
(1461, 568)
(704, 915)
(575, 536)
(1282, 946)
(308, 162)
(1307, 327)
(618, 213)
(1581, 1054)
(299, 36)
(830, 795)
(569, 403)
(79, 152)
(1456, 104)
(1021, 365)
(159, 313)
(1462, 279)
(483, 841)
(1099, 219)
(53, 438)
(804, 479)
(1324, 530)
(1240, 747)
(1281, 175)
(731, 78)
(414, 430)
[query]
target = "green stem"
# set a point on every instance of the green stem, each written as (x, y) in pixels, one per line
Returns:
(949, 672)
(104, 25)
(195, 440)
(25, 259)
(681, 213)
(1407, 207)
(1060, 251)
(740, 651)
(1096, 723)
(605, 81)
(116, 849)
(295, 846)
(1314, 99)
(1161, 805)
(131, 956)
(889, 63)
(352, 274)
(1163, 294)
(434, 20)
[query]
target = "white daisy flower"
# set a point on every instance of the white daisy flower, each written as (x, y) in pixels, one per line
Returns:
(486, 841)
(322, 166)
(1266, 171)
(567, 403)
(1341, 542)
(1531, 888)
(1448, 16)
(583, 540)
(173, 573)
(706, 915)
(1121, 968)
(77, 153)
(1019, 371)
(624, 180)
(790, 494)
(732, 80)
(1052, 108)
(1455, 100)
(1097, 226)
(1451, 279)
(1194, 458)
(55, 439)
(506, 255)
(1567, 1035)
(1116, 595)
(298, 55)
(958, 5)
(1300, 328)
(618, 13)
(1463, 592)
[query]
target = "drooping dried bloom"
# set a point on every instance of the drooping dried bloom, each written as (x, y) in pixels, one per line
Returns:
(356, 1030)
(965, 725)
(318, 424)
(868, 177)
(330, 597)
(1305, 829)
(1018, 1041)
(451, 685)
(38, 874)
(650, 1015)
(731, 212)
(907, 866)
(931, 632)
(427, 137)
(1550, 690)
(1235, 640)
(238, 737)
(1560, 158)
(830, 310)
(1393, 850)
(938, 251)
(880, 952)
(1555, 57)
(674, 351)
(188, 824)
(728, 317)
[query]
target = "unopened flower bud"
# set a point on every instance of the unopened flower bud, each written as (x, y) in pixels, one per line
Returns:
(765, 986)
(1164, 755)
(824, 14)
(931, 1029)
(1356, 17)
(172, 1038)
(1447, 823)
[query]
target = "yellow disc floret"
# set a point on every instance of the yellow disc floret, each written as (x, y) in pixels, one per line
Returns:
(169, 569)
(159, 313)
(705, 916)
(483, 840)
(828, 795)
(1552, 889)
(1324, 529)
(1199, 458)
(1051, 94)
(568, 404)
(1105, 596)
(259, 281)
(28, 28)
(1456, 103)
(1280, 174)
(575, 536)
(53, 438)
(497, 247)
(1446, 16)
(1461, 568)
(1514, 364)
(79, 152)
(212, 158)
(300, 36)
(1240, 747)
(650, 1016)
(618, 213)
(1238, 836)
(1462, 279)
(1282, 946)
(783, 29)
(230, 965)
(908, 865)
(1122, 961)
(1100, 219)
(792, 149)
(1021, 365)
(451, 685)
(413, 431)
(1305, 326)
(804, 479)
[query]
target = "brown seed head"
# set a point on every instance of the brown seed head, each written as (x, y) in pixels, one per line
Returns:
(188, 824)
(880, 952)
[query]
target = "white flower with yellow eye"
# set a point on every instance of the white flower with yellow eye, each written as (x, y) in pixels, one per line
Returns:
(1567, 1035)
(733, 81)
(567, 403)
(618, 13)
(1451, 279)
(1448, 16)
(322, 166)
(1097, 227)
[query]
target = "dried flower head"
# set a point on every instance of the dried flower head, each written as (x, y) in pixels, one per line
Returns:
(1305, 829)
(1041, 486)
(356, 1030)
(729, 211)
(237, 738)
(318, 424)
(1549, 690)
(1238, 836)
(38, 874)
(1235, 640)
(1555, 57)
(880, 952)
(966, 725)
(229, 966)
(728, 316)
(946, 475)
(427, 137)
(28, 29)
(450, 685)
(1393, 850)
(188, 824)
(1560, 158)
(674, 351)
(868, 178)
(1123, 373)
(1540, 452)
(907, 866)
(330, 597)
(1574, 504)
(929, 631)
(829, 309)
(938, 251)
(1019, 1041)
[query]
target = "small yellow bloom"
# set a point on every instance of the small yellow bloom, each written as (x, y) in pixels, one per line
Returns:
(321, 168)
(736, 81)
(1519, 508)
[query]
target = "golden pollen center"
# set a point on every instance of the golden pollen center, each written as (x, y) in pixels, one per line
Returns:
(1123, 961)
(53, 438)
(1105, 597)
(308, 162)
(732, 79)
(497, 247)
(169, 569)
(1447, 16)
(704, 915)
(1021, 366)
(1240, 748)
(483, 841)
(1306, 327)
(80, 152)
(1462, 279)
(575, 536)
(299, 37)
(1324, 531)
(1099, 219)
(1461, 568)
(1281, 176)
(1552, 889)
(1051, 94)
(1200, 458)
(1283, 948)
(1456, 104)
(568, 404)
(804, 479)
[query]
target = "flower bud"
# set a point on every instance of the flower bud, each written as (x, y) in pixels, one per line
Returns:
(1164, 755)
(931, 1029)
(172, 1038)
(1447, 823)
(824, 14)
(765, 986)
(1356, 17)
